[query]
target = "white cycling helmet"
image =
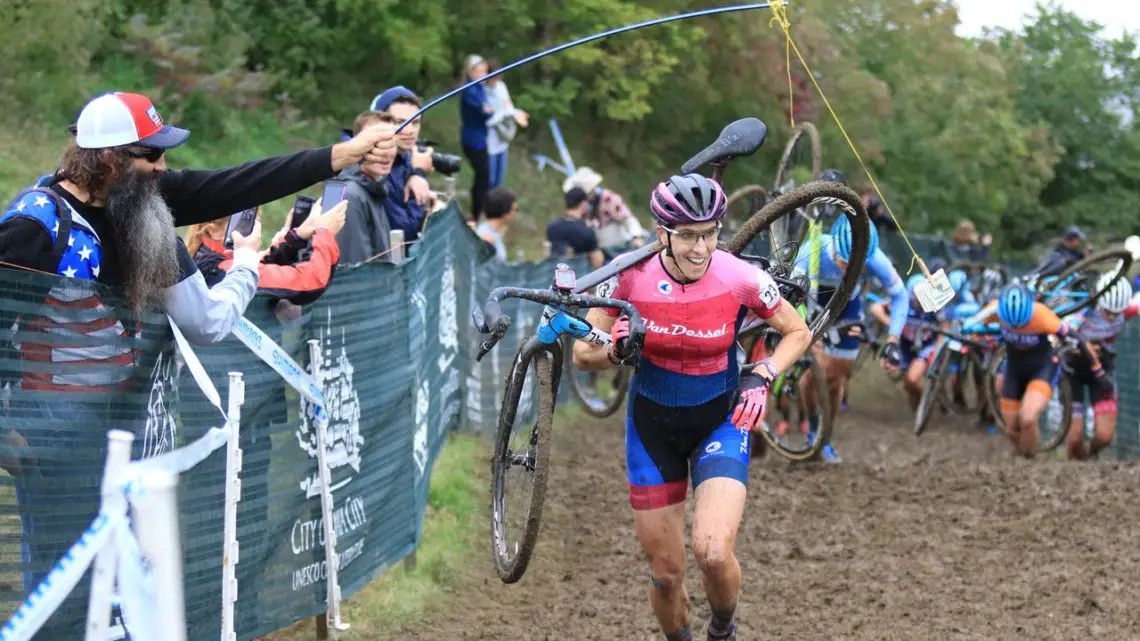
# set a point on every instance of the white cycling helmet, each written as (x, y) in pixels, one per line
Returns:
(1117, 298)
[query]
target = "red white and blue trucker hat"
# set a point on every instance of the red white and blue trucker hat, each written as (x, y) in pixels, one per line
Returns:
(115, 119)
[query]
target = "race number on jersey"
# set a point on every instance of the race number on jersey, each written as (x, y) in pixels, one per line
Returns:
(607, 287)
(769, 293)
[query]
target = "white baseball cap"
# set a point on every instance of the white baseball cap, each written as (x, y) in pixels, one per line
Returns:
(116, 119)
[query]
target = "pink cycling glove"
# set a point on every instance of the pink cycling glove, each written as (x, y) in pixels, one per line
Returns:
(753, 397)
(618, 331)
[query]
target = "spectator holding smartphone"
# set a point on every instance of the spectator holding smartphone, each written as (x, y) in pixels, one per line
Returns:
(410, 194)
(366, 230)
(282, 271)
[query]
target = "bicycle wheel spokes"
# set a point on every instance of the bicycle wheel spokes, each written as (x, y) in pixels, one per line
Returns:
(826, 305)
(742, 204)
(521, 464)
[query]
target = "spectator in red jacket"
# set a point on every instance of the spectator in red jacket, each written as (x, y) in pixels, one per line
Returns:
(298, 266)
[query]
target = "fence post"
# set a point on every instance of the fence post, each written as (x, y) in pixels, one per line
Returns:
(396, 243)
(233, 495)
(154, 514)
(106, 563)
(332, 560)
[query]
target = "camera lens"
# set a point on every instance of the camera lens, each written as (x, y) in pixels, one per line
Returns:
(446, 164)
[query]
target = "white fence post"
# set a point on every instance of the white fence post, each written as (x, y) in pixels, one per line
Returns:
(154, 514)
(106, 563)
(396, 243)
(233, 495)
(332, 560)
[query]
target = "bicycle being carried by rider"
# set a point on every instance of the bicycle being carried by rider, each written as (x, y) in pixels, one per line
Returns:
(692, 406)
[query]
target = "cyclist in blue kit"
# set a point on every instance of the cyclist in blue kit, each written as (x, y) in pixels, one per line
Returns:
(837, 358)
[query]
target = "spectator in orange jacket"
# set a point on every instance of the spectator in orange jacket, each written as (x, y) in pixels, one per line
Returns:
(299, 265)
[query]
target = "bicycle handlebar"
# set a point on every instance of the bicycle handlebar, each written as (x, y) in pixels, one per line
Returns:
(924, 325)
(501, 323)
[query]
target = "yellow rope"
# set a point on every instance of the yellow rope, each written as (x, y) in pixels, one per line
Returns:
(780, 16)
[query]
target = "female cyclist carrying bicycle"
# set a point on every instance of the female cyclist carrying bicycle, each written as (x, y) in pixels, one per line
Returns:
(1094, 370)
(1032, 368)
(690, 411)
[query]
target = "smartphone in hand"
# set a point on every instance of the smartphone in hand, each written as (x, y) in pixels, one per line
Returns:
(241, 222)
(334, 193)
(302, 207)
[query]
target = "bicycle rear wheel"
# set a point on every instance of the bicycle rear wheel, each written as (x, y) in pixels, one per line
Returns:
(514, 530)
(787, 408)
(932, 383)
(1057, 419)
(800, 164)
(817, 193)
(588, 386)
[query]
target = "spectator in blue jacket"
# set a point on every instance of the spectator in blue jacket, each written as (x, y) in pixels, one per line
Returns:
(475, 110)
(409, 194)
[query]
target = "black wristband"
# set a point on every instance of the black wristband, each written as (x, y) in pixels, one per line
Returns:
(419, 172)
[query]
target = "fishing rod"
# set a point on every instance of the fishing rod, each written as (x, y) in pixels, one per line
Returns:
(581, 41)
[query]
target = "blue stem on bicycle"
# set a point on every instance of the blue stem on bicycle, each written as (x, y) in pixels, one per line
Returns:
(582, 41)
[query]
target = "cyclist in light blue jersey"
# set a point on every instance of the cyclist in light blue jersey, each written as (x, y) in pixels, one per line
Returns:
(840, 352)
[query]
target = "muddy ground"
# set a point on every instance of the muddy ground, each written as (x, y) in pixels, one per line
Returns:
(940, 537)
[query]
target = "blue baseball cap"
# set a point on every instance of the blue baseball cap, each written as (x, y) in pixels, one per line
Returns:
(385, 99)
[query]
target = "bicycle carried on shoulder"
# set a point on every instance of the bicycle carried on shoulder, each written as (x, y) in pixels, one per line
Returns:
(543, 354)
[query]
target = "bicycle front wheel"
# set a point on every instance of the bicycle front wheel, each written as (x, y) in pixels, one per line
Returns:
(816, 193)
(930, 398)
(601, 394)
(522, 449)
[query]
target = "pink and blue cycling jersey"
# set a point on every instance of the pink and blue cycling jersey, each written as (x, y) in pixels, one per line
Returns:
(681, 395)
(688, 357)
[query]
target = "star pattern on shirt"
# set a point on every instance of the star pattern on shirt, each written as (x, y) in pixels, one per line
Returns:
(82, 258)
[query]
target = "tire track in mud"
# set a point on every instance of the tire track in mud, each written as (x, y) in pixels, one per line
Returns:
(940, 537)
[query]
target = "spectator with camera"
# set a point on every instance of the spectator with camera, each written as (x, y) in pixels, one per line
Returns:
(298, 266)
(501, 209)
(367, 226)
(474, 111)
(570, 235)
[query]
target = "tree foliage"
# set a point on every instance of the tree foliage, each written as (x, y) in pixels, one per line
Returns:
(1017, 130)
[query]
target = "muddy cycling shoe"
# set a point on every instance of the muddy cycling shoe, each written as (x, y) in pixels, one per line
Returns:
(829, 455)
(727, 636)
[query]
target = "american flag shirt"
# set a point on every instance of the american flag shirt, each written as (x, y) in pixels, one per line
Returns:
(64, 303)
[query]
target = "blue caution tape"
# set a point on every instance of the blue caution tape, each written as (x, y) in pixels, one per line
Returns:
(68, 571)
(270, 352)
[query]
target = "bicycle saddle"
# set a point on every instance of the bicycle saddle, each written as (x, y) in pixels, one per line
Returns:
(741, 138)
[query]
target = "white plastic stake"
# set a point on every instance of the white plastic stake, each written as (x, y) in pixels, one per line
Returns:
(332, 560)
(154, 513)
(396, 243)
(106, 562)
(233, 495)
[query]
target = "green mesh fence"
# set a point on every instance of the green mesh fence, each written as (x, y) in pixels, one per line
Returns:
(398, 372)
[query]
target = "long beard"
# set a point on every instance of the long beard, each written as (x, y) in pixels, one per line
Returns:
(145, 236)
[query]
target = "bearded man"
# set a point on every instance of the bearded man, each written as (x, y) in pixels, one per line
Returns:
(124, 204)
